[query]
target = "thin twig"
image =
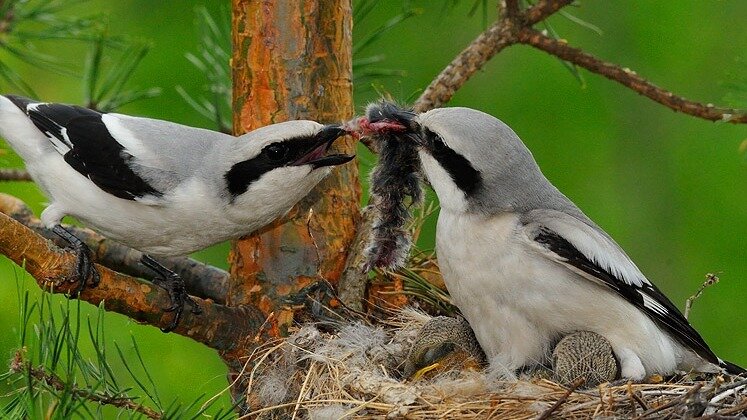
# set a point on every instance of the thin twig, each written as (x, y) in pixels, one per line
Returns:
(7, 174)
(711, 279)
(509, 8)
(629, 78)
(637, 398)
(673, 402)
(575, 385)
(18, 365)
(497, 37)
(543, 9)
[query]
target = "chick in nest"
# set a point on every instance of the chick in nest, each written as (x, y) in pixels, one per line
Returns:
(584, 354)
(444, 344)
(447, 344)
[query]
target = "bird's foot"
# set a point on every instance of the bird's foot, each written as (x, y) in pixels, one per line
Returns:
(174, 286)
(320, 300)
(85, 271)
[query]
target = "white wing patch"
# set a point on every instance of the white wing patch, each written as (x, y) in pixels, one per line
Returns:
(132, 145)
(652, 304)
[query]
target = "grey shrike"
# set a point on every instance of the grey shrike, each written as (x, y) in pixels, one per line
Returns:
(525, 265)
(159, 187)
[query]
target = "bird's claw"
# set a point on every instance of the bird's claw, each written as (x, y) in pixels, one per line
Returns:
(179, 299)
(320, 300)
(174, 286)
(86, 273)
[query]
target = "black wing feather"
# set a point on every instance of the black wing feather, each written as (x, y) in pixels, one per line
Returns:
(667, 316)
(93, 151)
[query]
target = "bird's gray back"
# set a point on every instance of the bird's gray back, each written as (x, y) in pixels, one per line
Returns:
(166, 153)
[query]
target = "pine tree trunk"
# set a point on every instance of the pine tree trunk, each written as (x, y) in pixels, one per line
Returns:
(292, 60)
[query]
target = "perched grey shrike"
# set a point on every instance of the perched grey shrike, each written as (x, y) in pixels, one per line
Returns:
(159, 187)
(525, 265)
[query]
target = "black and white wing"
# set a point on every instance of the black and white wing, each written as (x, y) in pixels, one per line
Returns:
(595, 256)
(116, 152)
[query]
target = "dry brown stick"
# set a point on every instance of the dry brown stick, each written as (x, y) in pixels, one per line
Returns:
(637, 398)
(574, 386)
(497, 37)
(542, 10)
(201, 280)
(629, 78)
(18, 365)
(8, 174)
(219, 327)
(674, 402)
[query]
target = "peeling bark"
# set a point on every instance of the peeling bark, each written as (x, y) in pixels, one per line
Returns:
(292, 60)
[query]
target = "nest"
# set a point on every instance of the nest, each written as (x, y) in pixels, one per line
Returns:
(354, 372)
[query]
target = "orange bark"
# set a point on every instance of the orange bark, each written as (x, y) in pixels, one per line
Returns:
(292, 60)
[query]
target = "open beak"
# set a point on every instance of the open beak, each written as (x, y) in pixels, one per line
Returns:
(316, 155)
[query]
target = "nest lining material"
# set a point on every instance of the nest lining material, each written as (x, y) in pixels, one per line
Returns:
(355, 371)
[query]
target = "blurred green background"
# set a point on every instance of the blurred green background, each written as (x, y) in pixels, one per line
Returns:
(671, 189)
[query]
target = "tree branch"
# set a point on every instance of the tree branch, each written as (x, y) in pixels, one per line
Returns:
(201, 280)
(12, 174)
(542, 10)
(18, 365)
(508, 9)
(218, 326)
(629, 78)
(498, 36)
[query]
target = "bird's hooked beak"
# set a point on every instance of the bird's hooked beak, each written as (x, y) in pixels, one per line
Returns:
(319, 145)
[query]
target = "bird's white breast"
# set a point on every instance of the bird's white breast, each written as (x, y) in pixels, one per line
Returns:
(519, 302)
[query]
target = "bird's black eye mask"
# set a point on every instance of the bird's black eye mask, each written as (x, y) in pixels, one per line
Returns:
(465, 176)
(307, 150)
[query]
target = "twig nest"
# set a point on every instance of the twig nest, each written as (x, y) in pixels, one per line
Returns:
(584, 354)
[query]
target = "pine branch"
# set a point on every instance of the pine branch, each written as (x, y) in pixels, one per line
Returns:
(219, 327)
(201, 280)
(515, 26)
(542, 10)
(7, 174)
(630, 79)
(18, 365)
(497, 37)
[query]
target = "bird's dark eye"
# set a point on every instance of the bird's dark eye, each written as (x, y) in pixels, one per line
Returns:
(276, 152)
(437, 353)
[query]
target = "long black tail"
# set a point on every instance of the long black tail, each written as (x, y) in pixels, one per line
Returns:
(732, 368)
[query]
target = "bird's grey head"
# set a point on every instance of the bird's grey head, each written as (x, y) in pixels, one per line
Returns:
(474, 162)
(275, 166)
